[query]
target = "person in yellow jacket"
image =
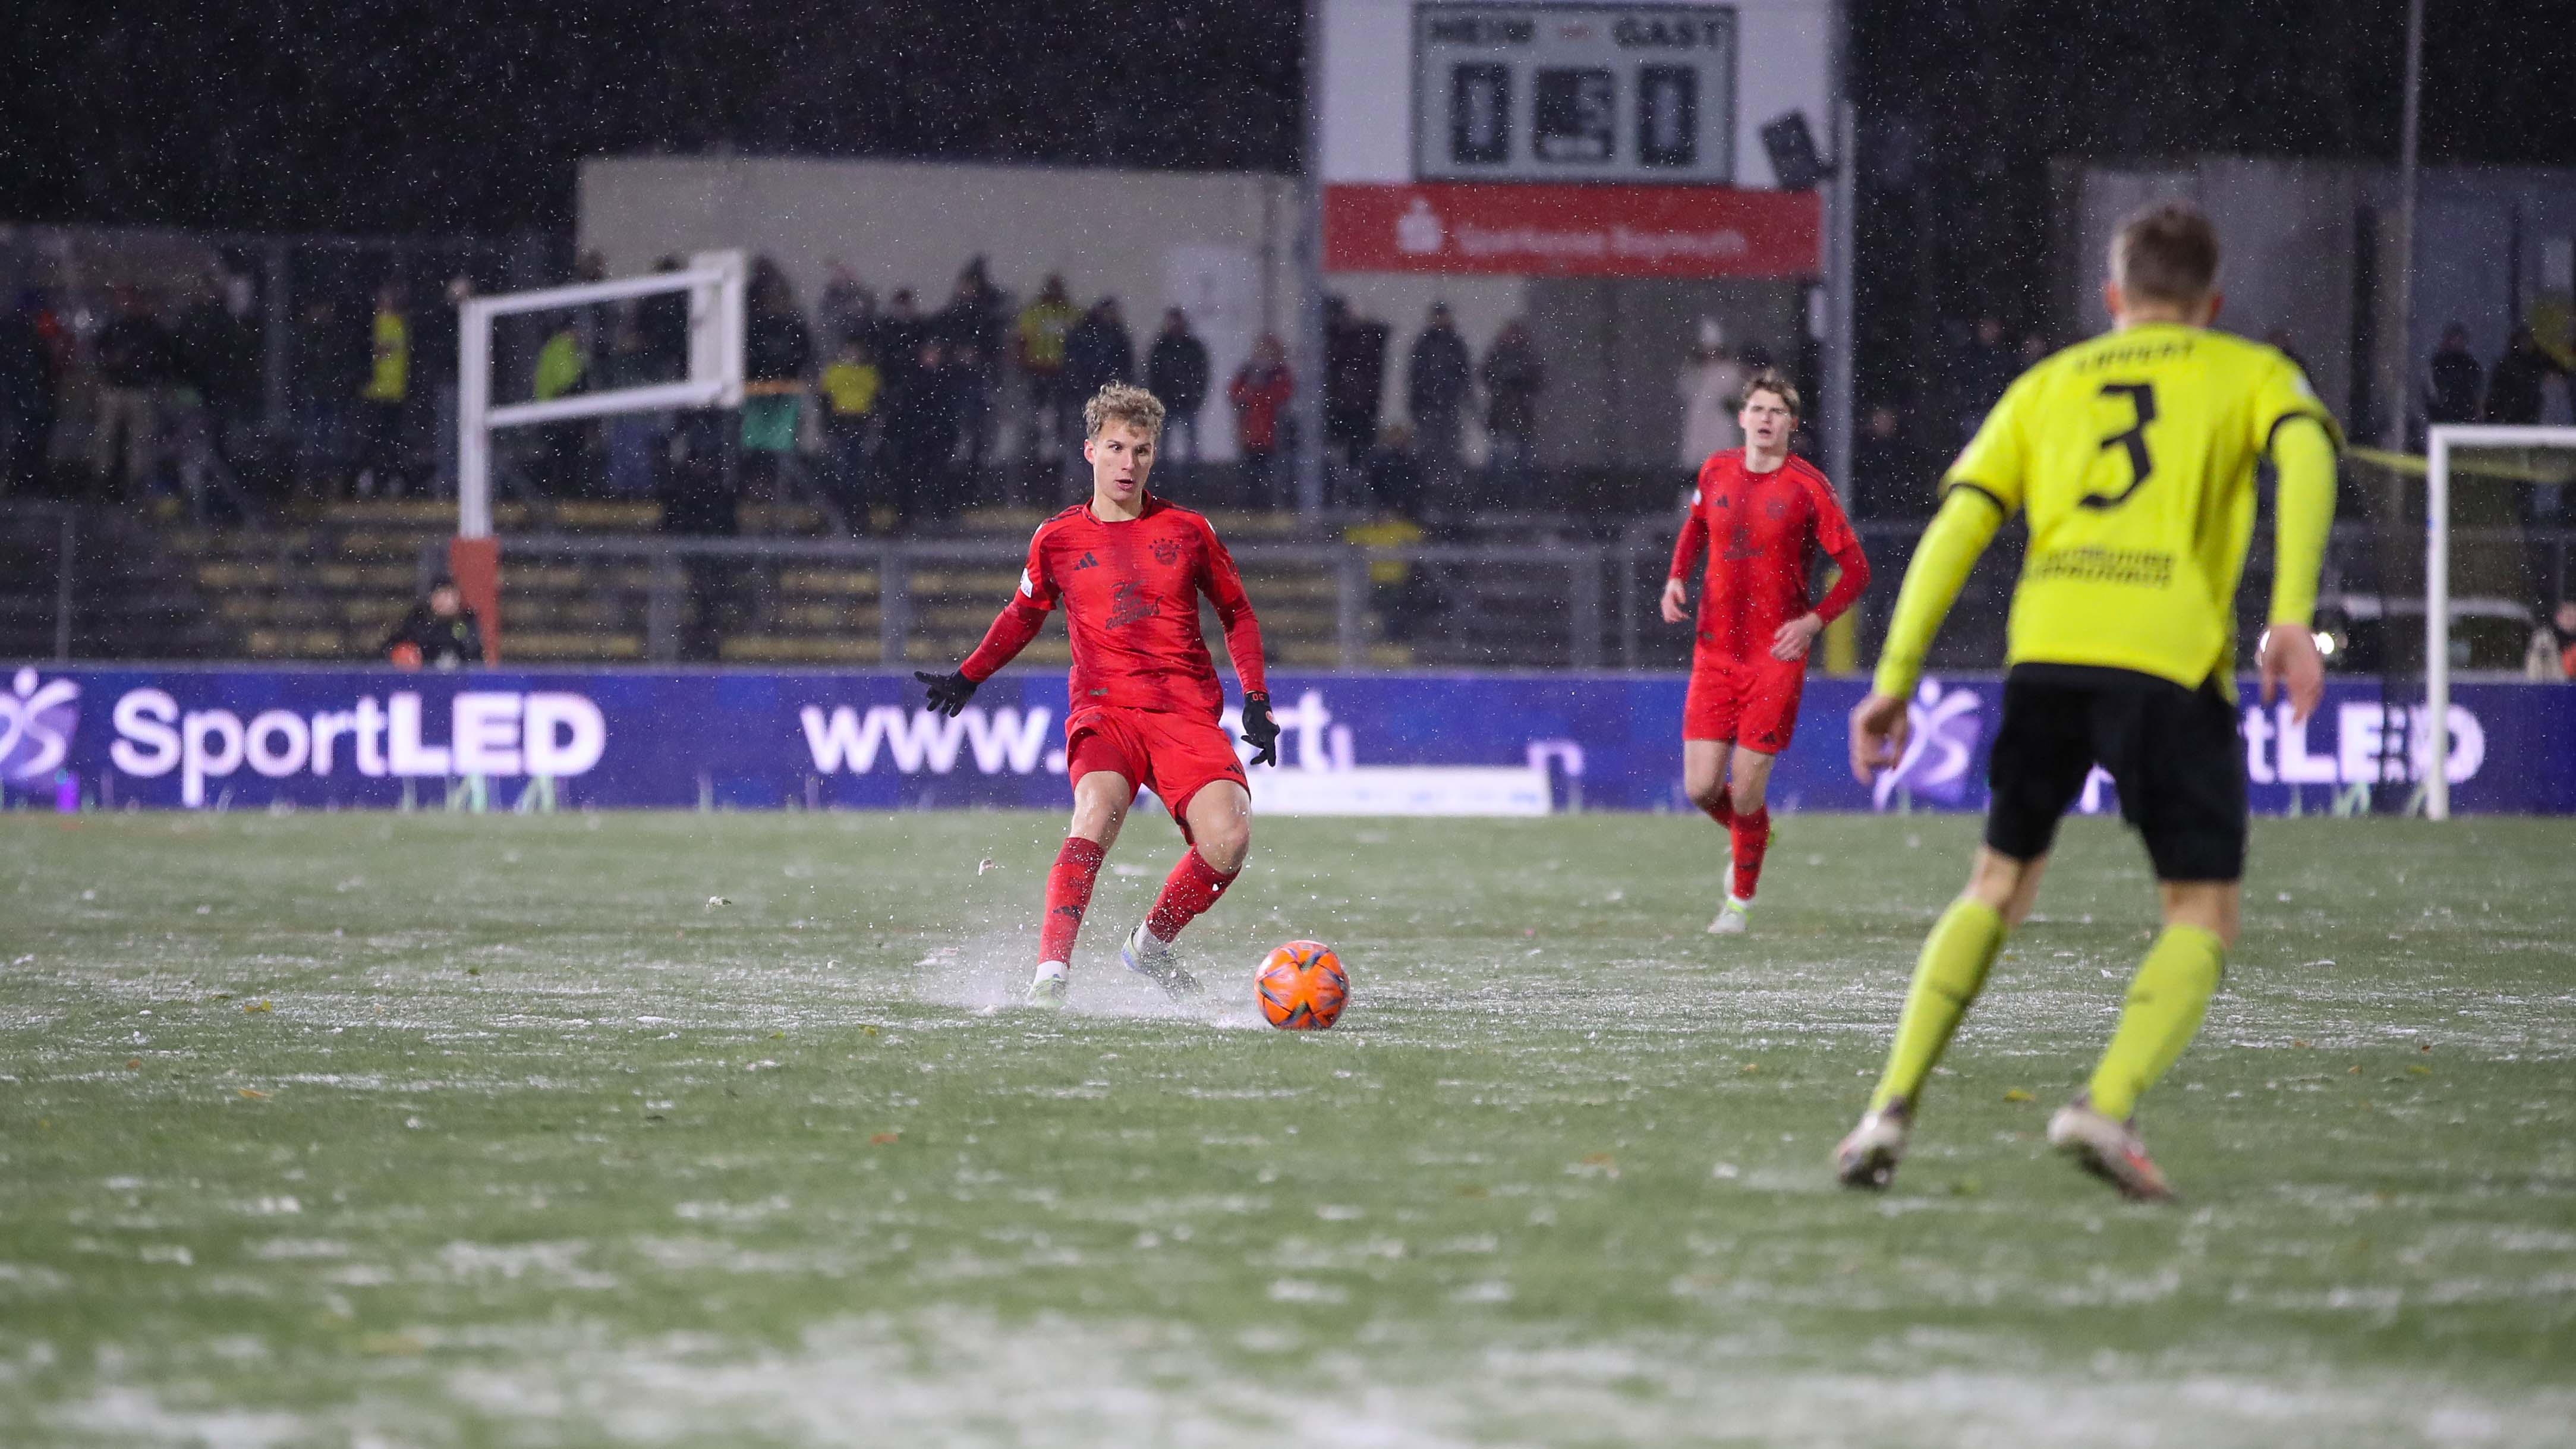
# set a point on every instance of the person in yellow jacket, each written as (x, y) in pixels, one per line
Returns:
(2133, 457)
(381, 400)
(1037, 346)
(852, 383)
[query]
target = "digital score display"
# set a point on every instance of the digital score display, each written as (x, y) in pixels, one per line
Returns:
(1557, 93)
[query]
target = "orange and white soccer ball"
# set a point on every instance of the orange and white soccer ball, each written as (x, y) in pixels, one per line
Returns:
(1302, 986)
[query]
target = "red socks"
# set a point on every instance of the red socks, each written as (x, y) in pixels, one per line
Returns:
(1191, 888)
(1722, 809)
(1068, 895)
(1752, 835)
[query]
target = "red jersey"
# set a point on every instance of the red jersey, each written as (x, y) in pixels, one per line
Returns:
(1131, 602)
(1767, 529)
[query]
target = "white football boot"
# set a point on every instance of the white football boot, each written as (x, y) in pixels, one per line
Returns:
(1047, 991)
(1868, 1157)
(2109, 1149)
(1733, 919)
(1157, 962)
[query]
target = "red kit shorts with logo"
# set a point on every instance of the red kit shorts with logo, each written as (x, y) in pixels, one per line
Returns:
(1173, 755)
(1752, 703)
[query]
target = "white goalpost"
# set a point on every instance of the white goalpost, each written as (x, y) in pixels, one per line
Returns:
(2441, 443)
(715, 284)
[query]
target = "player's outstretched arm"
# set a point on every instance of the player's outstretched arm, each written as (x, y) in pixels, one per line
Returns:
(1686, 549)
(1960, 532)
(1222, 582)
(1851, 575)
(1011, 631)
(2303, 457)
(1880, 728)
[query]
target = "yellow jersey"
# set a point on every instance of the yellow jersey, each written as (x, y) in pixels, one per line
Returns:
(852, 387)
(389, 374)
(2133, 456)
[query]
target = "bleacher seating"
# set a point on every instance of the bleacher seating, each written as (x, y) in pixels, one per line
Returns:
(332, 586)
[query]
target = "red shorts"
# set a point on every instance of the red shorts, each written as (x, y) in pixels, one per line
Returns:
(1173, 755)
(1748, 702)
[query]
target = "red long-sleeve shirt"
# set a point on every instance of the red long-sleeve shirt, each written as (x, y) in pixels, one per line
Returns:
(1131, 603)
(1767, 529)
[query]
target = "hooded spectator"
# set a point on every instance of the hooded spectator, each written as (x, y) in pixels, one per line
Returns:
(438, 633)
(846, 309)
(1712, 389)
(1260, 392)
(1892, 476)
(1513, 378)
(2514, 389)
(1437, 375)
(1354, 379)
(27, 382)
(134, 364)
(1176, 371)
(1098, 351)
(2454, 381)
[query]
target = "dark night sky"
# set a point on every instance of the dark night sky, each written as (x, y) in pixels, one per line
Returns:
(468, 115)
(399, 116)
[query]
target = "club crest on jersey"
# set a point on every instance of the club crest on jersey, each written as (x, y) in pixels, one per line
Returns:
(1167, 551)
(1128, 604)
(1776, 508)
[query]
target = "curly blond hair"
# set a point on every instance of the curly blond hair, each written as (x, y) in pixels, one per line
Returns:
(1122, 402)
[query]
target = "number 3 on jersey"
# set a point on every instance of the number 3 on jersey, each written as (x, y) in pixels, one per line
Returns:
(2142, 398)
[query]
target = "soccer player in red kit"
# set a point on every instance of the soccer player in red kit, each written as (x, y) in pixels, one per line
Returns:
(1763, 516)
(1144, 698)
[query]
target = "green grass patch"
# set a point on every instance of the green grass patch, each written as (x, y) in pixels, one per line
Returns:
(430, 1130)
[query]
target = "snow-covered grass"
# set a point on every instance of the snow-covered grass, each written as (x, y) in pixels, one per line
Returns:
(434, 1130)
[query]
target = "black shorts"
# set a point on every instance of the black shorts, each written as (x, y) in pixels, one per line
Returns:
(2173, 753)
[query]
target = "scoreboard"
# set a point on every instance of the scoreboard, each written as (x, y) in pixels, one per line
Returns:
(1562, 92)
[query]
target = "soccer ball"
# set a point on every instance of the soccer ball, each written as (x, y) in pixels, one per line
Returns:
(1302, 986)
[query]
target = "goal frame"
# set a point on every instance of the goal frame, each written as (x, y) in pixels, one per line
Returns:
(716, 284)
(2439, 441)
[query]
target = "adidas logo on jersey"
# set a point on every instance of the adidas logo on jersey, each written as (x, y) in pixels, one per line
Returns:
(1088, 562)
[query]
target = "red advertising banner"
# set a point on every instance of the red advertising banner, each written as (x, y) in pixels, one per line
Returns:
(1578, 231)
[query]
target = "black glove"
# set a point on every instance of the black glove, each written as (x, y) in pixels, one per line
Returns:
(949, 692)
(1260, 730)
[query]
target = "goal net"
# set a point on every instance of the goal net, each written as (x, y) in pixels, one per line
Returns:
(715, 285)
(2448, 570)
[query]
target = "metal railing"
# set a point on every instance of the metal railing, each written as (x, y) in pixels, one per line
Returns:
(1579, 604)
(53, 529)
(1582, 603)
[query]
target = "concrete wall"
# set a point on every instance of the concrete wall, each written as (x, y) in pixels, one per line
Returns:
(1217, 244)
(1615, 352)
(2495, 247)
(2286, 250)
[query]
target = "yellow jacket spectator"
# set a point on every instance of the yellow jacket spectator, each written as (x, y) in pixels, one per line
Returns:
(851, 385)
(1044, 324)
(389, 378)
(561, 365)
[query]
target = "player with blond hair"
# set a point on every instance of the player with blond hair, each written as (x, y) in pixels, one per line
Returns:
(1763, 517)
(2133, 456)
(1129, 568)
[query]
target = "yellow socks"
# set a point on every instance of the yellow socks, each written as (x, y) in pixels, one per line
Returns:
(1948, 976)
(2166, 1002)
